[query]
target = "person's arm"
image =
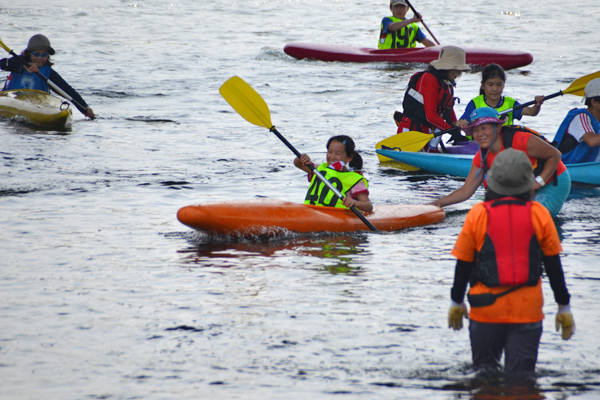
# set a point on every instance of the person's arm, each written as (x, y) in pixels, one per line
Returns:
(428, 43)
(61, 83)
(564, 317)
(428, 86)
(11, 65)
(463, 193)
(535, 109)
(591, 139)
(396, 26)
(362, 202)
(556, 276)
(462, 273)
(537, 148)
(581, 130)
(463, 121)
(421, 38)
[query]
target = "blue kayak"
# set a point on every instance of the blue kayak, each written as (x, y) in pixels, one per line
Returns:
(460, 165)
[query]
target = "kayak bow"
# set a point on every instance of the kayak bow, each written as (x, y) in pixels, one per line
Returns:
(35, 107)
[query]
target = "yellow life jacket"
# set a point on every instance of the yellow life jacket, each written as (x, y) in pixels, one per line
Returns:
(507, 103)
(319, 194)
(400, 39)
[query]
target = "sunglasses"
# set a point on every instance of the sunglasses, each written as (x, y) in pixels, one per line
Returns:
(38, 54)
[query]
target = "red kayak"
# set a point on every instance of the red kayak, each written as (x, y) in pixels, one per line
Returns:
(265, 216)
(476, 56)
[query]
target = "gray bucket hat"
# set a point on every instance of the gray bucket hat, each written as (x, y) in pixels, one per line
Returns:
(511, 173)
(451, 57)
(40, 42)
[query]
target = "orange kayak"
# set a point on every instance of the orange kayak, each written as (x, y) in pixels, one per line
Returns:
(263, 217)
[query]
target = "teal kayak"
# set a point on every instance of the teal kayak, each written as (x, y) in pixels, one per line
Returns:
(460, 165)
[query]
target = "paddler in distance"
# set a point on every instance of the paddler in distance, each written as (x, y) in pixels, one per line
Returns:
(552, 180)
(339, 169)
(428, 104)
(397, 32)
(37, 54)
(500, 251)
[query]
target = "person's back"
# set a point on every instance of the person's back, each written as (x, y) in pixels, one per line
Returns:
(500, 251)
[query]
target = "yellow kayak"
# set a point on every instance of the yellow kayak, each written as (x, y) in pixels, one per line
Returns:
(36, 107)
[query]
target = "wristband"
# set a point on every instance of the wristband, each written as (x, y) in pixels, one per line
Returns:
(540, 180)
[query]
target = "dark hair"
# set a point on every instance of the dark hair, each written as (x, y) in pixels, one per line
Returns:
(442, 74)
(491, 195)
(588, 101)
(346, 141)
(27, 57)
(357, 162)
(492, 71)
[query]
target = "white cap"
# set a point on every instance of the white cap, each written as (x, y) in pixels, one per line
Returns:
(592, 89)
(393, 2)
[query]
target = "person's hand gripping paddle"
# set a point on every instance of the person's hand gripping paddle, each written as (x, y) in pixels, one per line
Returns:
(244, 99)
(413, 141)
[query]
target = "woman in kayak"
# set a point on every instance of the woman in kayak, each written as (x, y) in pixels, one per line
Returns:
(493, 79)
(429, 98)
(553, 182)
(339, 171)
(37, 55)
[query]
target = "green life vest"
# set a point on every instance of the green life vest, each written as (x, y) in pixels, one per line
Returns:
(319, 194)
(400, 39)
(507, 103)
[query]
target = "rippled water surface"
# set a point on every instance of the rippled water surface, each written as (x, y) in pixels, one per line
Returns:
(105, 295)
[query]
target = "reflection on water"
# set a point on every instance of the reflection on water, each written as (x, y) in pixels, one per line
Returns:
(498, 387)
(336, 252)
(104, 294)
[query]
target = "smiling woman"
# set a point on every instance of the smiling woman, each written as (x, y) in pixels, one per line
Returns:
(493, 138)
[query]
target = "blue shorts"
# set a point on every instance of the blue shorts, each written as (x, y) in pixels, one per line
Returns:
(553, 197)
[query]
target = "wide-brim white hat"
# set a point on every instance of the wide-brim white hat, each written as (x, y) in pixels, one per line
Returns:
(451, 57)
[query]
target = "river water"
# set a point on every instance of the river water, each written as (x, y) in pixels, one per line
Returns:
(105, 295)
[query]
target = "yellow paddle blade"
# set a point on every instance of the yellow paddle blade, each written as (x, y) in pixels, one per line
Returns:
(578, 85)
(246, 102)
(406, 141)
(5, 47)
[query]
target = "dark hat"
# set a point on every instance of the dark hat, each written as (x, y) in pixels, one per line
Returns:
(511, 173)
(40, 42)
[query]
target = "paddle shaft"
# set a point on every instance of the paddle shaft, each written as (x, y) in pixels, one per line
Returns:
(322, 178)
(423, 22)
(48, 81)
(504, 112)
(532, 102)
(414, 141)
